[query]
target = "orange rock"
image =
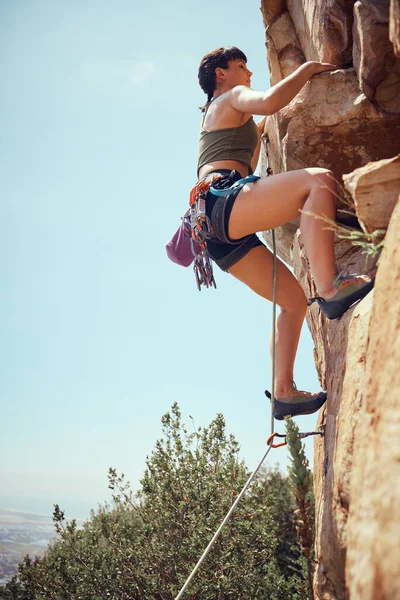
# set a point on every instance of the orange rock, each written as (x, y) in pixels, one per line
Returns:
(373, 528)
(284, 51)
(394, 26)
(377, 68)
(324, 29)
(271, 9)
(375, 189)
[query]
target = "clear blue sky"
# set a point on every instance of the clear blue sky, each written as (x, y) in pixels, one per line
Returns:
(99, 126)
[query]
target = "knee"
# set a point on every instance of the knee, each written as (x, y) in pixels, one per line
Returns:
(323, 178)
(295, 302)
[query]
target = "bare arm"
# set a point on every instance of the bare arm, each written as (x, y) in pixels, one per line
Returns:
(246, 100)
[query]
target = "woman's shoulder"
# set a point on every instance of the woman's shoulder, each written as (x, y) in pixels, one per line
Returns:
(220, 114)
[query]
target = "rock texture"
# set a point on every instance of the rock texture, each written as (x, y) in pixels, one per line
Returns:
(349, 121)
(377, 68)
(284, 50)
(331, 124)
(271, 10)
(373, 527)
(324, 29)
(375, 189)
(394, 26)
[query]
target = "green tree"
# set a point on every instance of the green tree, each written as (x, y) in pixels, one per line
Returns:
(300, 478)
(145, 545)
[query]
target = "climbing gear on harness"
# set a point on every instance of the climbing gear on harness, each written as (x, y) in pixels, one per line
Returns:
(203, 270)
(199, 222)
(351, 288)
(180, 248)
(201, 230)
(300, 403)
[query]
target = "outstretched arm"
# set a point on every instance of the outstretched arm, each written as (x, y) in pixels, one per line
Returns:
(246, 100)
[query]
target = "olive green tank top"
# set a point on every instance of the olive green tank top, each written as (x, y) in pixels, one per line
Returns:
(234, 143)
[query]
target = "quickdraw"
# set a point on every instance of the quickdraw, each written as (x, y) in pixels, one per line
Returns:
(201, 230)
(265, 140)
(321, 432)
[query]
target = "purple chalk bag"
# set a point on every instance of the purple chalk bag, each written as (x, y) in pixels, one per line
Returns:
(179, 248)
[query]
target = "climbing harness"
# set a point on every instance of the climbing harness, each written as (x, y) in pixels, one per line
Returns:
(229, 190)
(273, 435)
(200, 226)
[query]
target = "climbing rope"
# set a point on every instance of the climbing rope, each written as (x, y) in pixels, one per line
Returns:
(273, 332)
(273, 434)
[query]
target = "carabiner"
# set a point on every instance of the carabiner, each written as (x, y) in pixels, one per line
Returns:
(271, 437)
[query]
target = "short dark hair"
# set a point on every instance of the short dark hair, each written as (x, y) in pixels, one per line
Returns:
(219, 57)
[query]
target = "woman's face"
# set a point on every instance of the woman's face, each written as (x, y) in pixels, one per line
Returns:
(237, 73)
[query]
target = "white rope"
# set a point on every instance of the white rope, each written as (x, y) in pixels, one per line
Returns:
(250, 479)
(273, 333)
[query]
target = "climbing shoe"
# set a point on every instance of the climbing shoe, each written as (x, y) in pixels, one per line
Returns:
(299, 403)
(350, 289)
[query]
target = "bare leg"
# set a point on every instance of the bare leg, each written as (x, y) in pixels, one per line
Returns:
(256, 270)
(276, 200)
(317, 239)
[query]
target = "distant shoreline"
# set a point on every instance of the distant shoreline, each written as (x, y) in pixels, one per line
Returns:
(24, 512)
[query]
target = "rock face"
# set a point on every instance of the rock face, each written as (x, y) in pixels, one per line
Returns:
(377, 67)
(284, 50)
(331, 124)
(394, 26)
(324, 29)
(368, 186)
(372, 565)
(349, 121)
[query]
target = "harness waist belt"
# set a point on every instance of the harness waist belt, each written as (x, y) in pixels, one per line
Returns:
(227, 191)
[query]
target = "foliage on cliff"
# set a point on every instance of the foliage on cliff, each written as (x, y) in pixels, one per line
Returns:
(145, 545)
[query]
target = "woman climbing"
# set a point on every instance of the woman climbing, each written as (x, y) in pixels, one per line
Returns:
(229, 149)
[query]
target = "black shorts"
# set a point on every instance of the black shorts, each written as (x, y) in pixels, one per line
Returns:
(224, 251)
